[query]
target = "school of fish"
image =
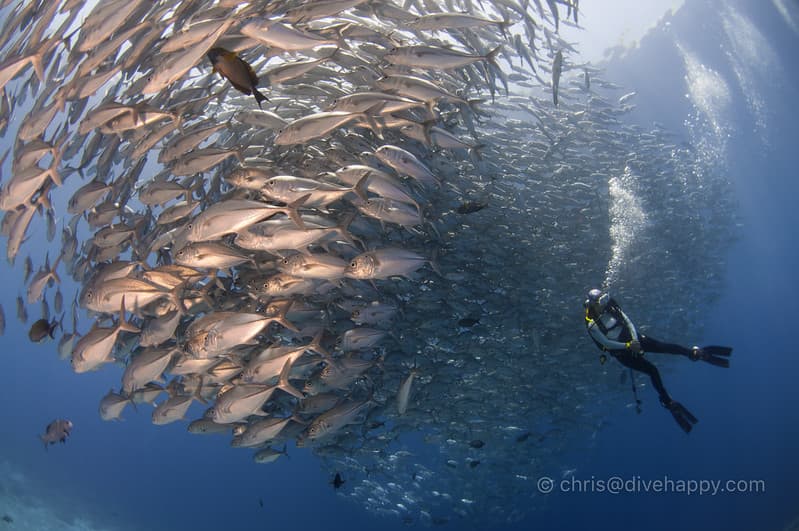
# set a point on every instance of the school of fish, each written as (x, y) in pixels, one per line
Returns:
(350, 224)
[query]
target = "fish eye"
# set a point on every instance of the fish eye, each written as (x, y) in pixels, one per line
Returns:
(353, 263)
(356, 313)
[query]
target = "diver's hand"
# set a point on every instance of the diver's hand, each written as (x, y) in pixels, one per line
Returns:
(635, 347)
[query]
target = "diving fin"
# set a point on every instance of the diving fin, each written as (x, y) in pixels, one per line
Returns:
(682, 416)
(712, 355)
(714, 350)
(717, 361)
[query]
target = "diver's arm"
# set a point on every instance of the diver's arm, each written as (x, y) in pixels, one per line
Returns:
(630, 325)
(603, 340)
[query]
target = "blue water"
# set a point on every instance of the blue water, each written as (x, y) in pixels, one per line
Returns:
(132, 475)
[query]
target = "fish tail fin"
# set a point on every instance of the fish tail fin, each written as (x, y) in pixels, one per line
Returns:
(504, 25)
(433, 261)
(361, 187)
(73, 170)
(431, 109)
(283, 382)
(427, 130)
(197, 395)
(372, 124)
(341, 42)
(123, 322)
(37, 60)
(259, 97)
(316, 345)
(294, 212)
(174, 296)
(44, 200)
(55, 175)
(474, 152)
(53, 272)
(491, 56)
(178, 119)
(344, 229)
(281, 318)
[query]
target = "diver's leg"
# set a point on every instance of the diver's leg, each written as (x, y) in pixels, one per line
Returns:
(640, 364)
(649, 344)
(681, 415)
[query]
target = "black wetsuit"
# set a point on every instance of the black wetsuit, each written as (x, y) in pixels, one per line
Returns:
(624, 355)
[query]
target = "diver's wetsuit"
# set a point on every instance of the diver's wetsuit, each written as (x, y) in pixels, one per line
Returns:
(612, 330)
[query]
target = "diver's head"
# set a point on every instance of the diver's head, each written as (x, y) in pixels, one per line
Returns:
(597, 299)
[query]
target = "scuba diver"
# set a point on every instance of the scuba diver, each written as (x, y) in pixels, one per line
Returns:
(613, 332)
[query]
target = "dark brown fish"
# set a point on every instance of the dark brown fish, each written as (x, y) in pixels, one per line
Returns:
(468, 322)
(337, 482)
(41, 329)
(470, 207)
(56, 431)
(237, 71)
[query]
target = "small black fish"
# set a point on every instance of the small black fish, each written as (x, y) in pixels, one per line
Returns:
(468, 322)
(337, 481)
(7, 519)
(474, 463)
(523, 437)
(261, 503)
(470, 207)
(477, 443)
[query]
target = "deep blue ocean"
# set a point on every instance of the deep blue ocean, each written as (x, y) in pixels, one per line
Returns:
(133, 475)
